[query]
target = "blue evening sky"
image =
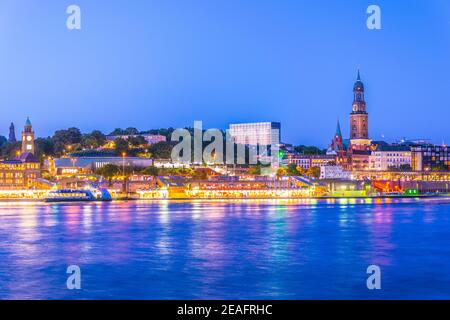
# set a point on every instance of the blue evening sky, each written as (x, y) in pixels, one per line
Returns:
(151, 64)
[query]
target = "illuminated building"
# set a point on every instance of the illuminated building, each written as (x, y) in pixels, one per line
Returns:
(268, 188)
(430, 158)
(359, 159)
(258, 133)
(353, 154)
(359, 146)
(23, 171)
(308, 161)
(389, 157)
(28, 138)
(74, 165)
(359, 118)
(334, 173)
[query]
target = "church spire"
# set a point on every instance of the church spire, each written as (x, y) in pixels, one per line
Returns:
(338, 129)
(358, 90)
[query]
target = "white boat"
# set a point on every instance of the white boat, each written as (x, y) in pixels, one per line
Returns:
(68, 195)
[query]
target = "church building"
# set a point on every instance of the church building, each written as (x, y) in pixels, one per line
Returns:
(353, 154)
(359, 119)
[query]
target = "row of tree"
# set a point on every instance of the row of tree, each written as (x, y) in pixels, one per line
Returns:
(309, 150)
(167, 132)
(293, 170)
(61, 142)
(73, 141)
(110, 171)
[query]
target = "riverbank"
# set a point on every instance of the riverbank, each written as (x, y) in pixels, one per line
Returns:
(427, 196)
(442, 195)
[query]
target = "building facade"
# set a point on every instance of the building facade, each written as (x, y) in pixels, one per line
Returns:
(390, 157)
(258, 133)
(430, 158)
(334, 173)
(19, 174)
(309, 161)
(76, 165)
(22, 172)
(359, 159)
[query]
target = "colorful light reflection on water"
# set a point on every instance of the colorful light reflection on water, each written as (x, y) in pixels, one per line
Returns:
(258, 249)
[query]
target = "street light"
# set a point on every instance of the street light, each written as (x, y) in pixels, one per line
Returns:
(123, 163)
(123, 172)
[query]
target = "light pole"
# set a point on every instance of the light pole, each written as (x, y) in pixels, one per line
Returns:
(123, 163)
(123, 173)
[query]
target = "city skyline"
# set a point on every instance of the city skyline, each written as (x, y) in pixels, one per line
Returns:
(148, 83)
(225, 156)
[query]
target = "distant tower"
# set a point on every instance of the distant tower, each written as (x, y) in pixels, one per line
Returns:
(359, 118)
(337, 144)
(336, 147)
(28, 138)
(12, 134)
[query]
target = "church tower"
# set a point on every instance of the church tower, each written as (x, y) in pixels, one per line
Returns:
(337, 144)
(28, 138)
(359, 118)
(12, 134)
(337, 148)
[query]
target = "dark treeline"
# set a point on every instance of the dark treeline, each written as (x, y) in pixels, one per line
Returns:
(72, 141)
(309, 150)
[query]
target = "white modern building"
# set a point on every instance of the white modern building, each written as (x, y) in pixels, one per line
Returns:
(258, 133)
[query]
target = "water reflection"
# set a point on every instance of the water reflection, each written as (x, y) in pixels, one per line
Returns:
(380, 232)
(220, 249)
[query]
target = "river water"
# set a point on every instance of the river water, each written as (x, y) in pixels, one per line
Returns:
(279, 249)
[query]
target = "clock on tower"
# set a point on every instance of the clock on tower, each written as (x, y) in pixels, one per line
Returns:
(28, 138)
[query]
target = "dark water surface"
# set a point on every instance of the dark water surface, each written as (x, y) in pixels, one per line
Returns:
(301, 249)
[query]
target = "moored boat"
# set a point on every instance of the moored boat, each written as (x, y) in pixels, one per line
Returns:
(70, 195)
